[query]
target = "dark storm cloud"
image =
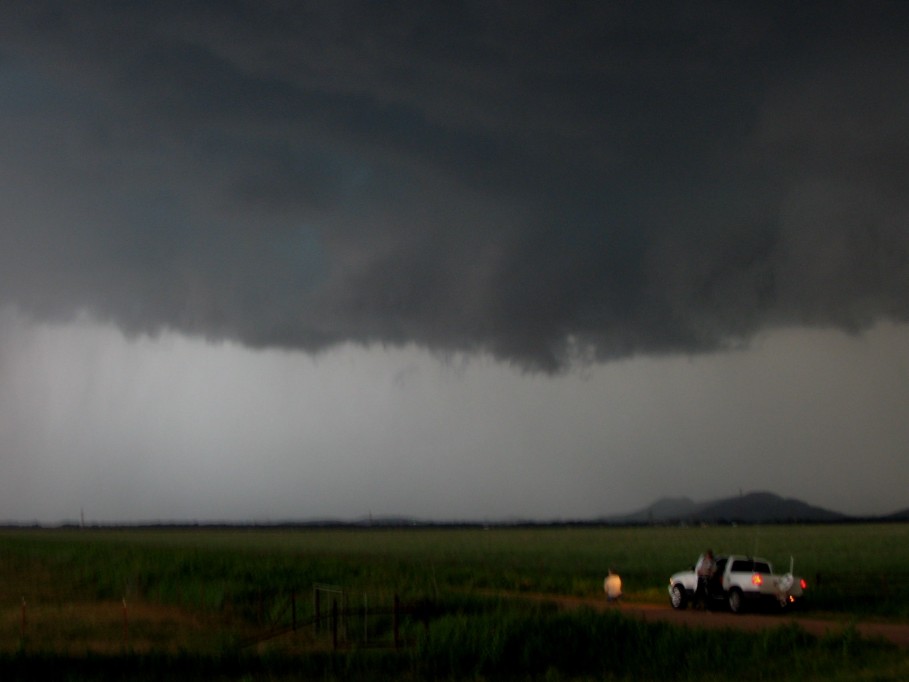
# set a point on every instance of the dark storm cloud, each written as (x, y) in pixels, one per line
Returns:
(537, 181)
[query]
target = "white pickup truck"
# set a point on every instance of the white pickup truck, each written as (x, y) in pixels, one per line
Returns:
(739, 581)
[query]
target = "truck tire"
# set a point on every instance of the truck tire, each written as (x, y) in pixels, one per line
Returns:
(678, 598)
(736, 600)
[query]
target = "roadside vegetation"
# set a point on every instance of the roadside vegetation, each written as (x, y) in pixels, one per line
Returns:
(222, 603)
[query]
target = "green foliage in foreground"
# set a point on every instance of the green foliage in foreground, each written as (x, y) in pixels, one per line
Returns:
(514, 643)
(523, 643)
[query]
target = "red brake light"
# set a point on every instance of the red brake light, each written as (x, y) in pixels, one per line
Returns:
(756, 579)
(803, 583)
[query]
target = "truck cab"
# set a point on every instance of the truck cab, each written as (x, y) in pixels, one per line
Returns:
(738, 582)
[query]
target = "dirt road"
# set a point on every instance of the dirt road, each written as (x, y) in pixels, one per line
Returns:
(898, 633)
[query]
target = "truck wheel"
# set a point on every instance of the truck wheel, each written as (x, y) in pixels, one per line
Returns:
(677, 598)
(736, 600)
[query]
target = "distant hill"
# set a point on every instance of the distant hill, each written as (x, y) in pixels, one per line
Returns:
(757, 507)
(765, 507)
(897, 516)
(666, 509)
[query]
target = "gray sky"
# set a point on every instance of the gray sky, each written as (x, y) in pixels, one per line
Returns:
(453, 260)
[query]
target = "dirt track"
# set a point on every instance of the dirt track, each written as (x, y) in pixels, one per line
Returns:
(898, 633)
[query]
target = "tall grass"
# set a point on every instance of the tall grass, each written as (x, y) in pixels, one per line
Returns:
(511, 643)
(502, 642)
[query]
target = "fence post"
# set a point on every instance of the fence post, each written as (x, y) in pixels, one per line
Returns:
(23, 622)
(394, 620)
(318, 616)
(334, 624)
(293, 610)
(125, 625)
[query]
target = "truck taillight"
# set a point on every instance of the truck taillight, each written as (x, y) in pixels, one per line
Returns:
(756, 579)
(803, 583)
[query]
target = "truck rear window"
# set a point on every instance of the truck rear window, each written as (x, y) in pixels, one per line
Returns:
(749, 566)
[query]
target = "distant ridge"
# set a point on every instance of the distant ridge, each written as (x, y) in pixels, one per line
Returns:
(752, 507)
(897, 516)
(755, 507)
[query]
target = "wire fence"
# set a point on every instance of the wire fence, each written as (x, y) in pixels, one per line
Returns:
(322, 617)
(347, 619)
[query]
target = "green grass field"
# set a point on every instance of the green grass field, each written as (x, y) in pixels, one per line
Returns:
(185, 600)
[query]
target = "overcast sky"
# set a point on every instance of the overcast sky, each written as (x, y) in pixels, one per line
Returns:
(285, 260)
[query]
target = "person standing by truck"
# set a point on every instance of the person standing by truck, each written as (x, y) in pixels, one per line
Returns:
(704, 570)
